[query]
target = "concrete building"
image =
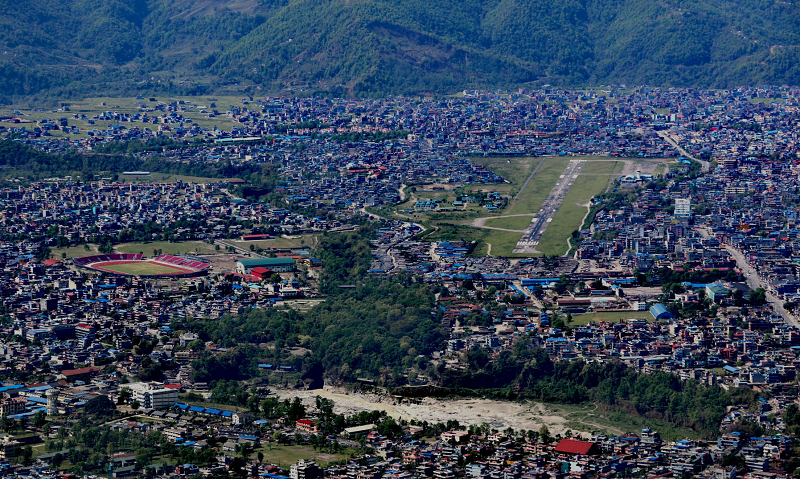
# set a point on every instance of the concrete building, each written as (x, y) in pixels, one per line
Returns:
(52, 402)
(305, 470)
(153, 395)
(683, 208)
(279, 265)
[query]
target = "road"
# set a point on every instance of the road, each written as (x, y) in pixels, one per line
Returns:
(754, 282)
(225, 244)
(668, 138)
(529, 179)
(542, 218)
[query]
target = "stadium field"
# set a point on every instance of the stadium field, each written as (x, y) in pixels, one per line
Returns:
(139, 268)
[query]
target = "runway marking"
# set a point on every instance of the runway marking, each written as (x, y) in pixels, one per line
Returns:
(551, 204)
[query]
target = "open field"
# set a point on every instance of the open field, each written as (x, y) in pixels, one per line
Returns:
(571, 213)
(299, 241)
(511, 222)
(144, 268)
(609, 316)
(767, 100)
(189, 247)
(503, 242)
(601, 167)
(585, 418)
(75, 251)
(514, 169)
(532, 197)
(90, 107)
(284, 456)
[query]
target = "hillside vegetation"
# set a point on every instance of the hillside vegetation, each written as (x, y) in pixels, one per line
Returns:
(378, 47)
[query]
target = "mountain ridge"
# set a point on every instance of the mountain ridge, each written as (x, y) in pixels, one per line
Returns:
(377, 47)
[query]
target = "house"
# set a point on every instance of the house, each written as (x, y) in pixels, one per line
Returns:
(241, 418)
(573, 446)
(306, 425)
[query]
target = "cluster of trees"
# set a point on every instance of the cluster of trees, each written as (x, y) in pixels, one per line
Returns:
(368, 328)
(376, 330)
(18, 159)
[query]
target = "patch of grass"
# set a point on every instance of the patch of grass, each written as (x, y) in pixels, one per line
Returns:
(602, 167)
(141, 268)
(609, 316)
(590, 418)
(539, 187)
(514, 169)
(481, 250)
(453, 232)
(503, 242)
(569, 216)
(189, 247)
(767, 100)
(74, 251)
(300, 241)
(512, 223)
(284, 456)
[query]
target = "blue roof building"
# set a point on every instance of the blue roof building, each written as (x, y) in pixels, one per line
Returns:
(659, 311)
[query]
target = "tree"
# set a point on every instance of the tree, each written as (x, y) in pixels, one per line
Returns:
(100, 406)
(135, 404)
(39, 419)
(758, 297)
(124, 396)
(544, 434)
(27, 455)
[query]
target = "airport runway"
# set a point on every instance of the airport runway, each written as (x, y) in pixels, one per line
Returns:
(542, 218)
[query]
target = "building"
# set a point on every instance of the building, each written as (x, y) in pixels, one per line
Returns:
(352, 432)
(9, 447)
(279, 265)
(153, 395)
(52, 401)
(10, 407)
(306, 425)
(306, 470)
(683, 208)
(573, 446)
(715, 292)
(659, 311)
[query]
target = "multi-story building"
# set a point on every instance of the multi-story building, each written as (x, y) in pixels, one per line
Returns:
(153, 395)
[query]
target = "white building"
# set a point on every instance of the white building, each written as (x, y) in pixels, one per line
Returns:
(683, 208)
(153, 395)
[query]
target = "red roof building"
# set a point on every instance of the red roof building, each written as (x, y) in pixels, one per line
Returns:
(306, 425)
(262, 273)
(573, 446)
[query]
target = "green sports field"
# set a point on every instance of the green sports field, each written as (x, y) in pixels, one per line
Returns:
(140, 268)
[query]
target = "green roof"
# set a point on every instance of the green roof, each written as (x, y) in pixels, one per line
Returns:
(254, 263)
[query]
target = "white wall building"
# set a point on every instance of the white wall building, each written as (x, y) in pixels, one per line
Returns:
(153, 395)
(683, 208)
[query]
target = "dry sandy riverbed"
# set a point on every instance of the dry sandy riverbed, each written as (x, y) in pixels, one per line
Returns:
(498, 414)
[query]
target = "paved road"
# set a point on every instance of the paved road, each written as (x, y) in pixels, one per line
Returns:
(529, 179)
(542, 218)
(754, 282)
(668, 138)
(226, 244)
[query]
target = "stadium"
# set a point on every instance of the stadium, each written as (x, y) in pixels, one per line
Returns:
(163, 265)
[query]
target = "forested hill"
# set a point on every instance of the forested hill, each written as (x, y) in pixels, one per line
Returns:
(378, 47)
